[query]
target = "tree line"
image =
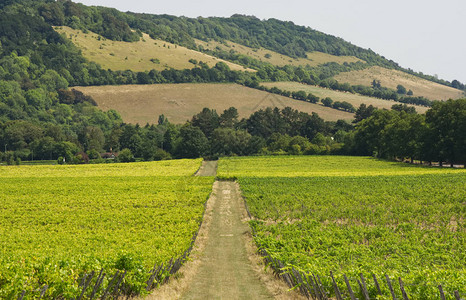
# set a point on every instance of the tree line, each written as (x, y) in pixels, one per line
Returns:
(400, 133)
(439, 135)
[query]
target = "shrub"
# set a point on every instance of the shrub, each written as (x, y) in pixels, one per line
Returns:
(126, 155)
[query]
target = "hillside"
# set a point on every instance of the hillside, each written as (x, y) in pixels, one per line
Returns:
(392, 78)
(42, 118)
(354, 99)
(179, 102)
(313, 59)
(143, 55)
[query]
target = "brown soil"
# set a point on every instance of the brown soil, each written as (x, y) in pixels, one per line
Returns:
(208, 168)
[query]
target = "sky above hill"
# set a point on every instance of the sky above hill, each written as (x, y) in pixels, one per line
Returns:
(424, 35)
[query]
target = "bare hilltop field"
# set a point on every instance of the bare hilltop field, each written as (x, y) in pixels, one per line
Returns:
(392, 78)
(144, 55)
(354, 99)
(179, 102)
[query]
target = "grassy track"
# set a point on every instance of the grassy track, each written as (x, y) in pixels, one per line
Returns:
(225, 271)
(57, 222)
(179, 102)
(353, 215)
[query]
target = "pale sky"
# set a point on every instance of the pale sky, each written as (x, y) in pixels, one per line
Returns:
(424, 35)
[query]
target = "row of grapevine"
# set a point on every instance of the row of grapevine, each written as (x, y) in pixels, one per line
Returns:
(317, 215)
(74, 236)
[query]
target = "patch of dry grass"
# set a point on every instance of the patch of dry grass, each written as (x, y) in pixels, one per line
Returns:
(179, 102)
(144, 55)
(354, 99)
(392, 78)
(313, 58)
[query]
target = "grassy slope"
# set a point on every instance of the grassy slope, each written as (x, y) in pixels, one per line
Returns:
(392, 78)
(137, 56)
(354, 99)
(179, 102)
(313, 58)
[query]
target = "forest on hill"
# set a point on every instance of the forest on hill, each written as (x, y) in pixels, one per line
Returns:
(41, 118)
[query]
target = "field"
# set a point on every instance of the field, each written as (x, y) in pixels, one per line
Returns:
(179, 102)
(59, 222)
(354, 99)
(353, 215)
(145, 55)
(313, 58)
(392, 78)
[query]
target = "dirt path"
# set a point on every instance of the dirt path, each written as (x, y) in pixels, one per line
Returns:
(225, 271)
(224, 263)
(208, 168)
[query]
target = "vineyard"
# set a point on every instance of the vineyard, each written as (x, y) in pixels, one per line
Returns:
(353, 216)
(59, 223)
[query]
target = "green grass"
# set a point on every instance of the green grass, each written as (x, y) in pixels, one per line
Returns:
(353, 215)
(58, 222)
(312, 166)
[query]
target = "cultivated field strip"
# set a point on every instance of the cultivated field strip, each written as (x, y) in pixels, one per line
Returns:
(55, 231)
(179, 102)
(353, 216)
(355, 99)
(392, 78)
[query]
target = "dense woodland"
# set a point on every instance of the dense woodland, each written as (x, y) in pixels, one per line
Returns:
(41, 117)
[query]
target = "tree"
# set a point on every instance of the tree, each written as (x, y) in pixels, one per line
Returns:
(376, 84)
(446, 125)
(363, 112)
(314, 125)
(53, 81)
(299, 95)
(112, 139)
(229, 117)
(207, 120)
(193, 142)
(368, 138)
(457, 85)
(327, 102)
(162, 120)
(401, 89)
(312, 98)
(52, 13)
(227, 141)
(125, 156)
(404, 107)
(93, 138)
